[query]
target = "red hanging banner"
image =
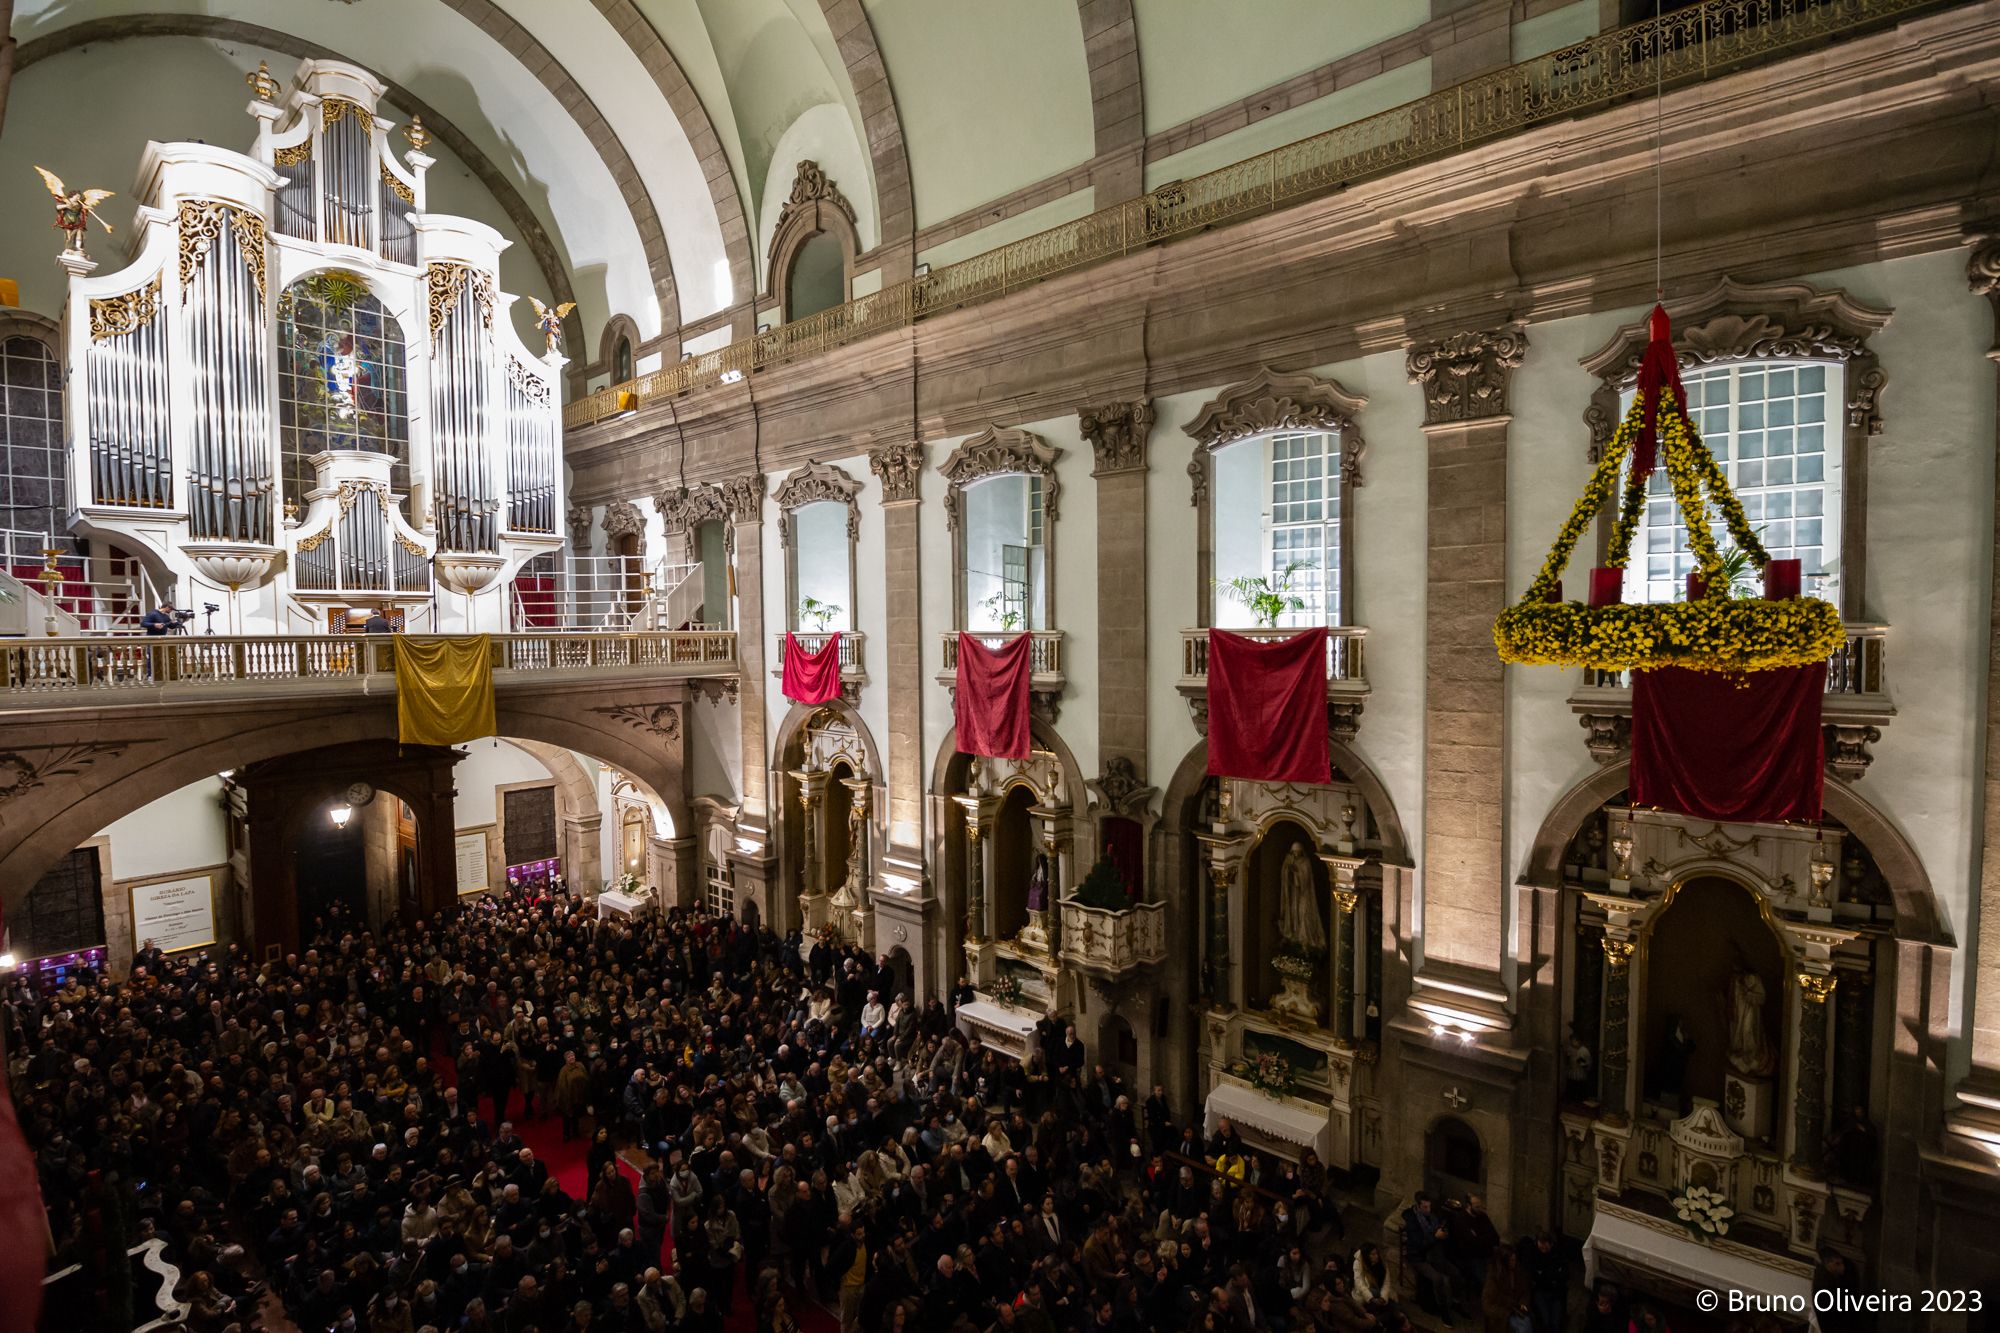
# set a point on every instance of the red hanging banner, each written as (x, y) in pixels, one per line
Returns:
(1267, 707)
(1736, 749)
(811, 678)
(992, 706)
(24, 1227)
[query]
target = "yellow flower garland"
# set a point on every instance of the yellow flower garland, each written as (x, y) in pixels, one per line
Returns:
(1714, 633)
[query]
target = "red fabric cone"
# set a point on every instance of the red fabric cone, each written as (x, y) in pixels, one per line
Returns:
(1267, 707)
(811, 678)
(1659, 369)
(1734, 749)
(992, 705)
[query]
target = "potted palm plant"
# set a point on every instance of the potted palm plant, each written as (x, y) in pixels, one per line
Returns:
(1267, 596)
(816, 614)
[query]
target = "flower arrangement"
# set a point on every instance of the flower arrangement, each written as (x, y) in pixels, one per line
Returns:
(996, 606)
(1267, 1072)
(1716, 631)
(1704, 1211)
(628, 884)
(1006, 989)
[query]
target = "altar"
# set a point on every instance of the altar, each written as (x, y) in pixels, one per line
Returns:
(1283, 1126)
(1009, 1031)
(1633, 1242)
(613, 903)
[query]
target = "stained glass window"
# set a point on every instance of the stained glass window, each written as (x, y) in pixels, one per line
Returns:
(341, 379)
(34, 490)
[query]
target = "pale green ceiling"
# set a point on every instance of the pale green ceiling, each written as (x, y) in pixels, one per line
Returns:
(984, 98)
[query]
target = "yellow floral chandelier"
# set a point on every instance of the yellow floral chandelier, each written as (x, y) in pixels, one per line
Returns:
(1713, 630)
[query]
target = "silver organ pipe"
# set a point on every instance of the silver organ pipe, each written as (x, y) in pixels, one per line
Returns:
(531, 478)
(125, 382)
(399, 238)
(461, 398)
(296, 215)
(229, 474)
(347, 174)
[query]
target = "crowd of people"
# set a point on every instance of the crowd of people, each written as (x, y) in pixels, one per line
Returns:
(776, 1136)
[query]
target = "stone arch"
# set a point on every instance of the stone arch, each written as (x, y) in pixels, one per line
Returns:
(578, 813)
(618, 326)
(816, 206)
(947, 840)
(1917, 916)
(1184, 790)
(16, 323)
(882, 131)
(639, 34)
(73, 777)
(1117, 99)
(496, 183)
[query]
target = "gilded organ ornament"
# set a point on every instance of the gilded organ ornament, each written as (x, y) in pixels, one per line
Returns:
(116, 316)
(201, 221)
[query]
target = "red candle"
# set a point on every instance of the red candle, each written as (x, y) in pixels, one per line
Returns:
(1555, 592)
(1697, 586)
(1607, 586)
(1781, 579)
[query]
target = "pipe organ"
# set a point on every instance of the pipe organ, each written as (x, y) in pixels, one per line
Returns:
(302, 393)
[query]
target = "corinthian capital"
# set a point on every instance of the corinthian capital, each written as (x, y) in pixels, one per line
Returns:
(1464, 376)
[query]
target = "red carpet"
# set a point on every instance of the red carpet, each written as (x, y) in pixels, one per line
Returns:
(567, 1163)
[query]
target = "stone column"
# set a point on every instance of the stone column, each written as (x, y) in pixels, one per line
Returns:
(979, 810)
(1223, 859)
(1809, 1091)
(583, 852)
(899, 466)
(1979, 1094)
(1613, 1093)
(1464, 378)
(812, 789)
(856, 873)
(1117, 433)
(1341, 871)
(744, 498)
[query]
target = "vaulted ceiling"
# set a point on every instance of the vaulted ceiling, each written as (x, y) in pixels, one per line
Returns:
(638, 151)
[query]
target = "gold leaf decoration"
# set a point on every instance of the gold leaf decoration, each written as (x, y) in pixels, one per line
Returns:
(116, 316)
(395, 183)
(293, 154)
(201, 222)
(447, 281)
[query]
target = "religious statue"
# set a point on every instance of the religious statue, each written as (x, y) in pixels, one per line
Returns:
(1750, 1052)
(1038, 885)
(75, 209)
(1578, 1066)
(1298, 915)
(550, 322)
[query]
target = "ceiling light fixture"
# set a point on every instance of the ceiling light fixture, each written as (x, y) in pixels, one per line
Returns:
(340, 814)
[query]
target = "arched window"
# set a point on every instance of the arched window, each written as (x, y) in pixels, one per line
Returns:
(719, 878)
(621, 361)
(341, 378)
(34, 484)
(1277, 518)
(1768, 425)
(818, 279)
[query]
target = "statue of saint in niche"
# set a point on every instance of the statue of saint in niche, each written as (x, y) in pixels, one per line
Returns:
(1750, 1052)
(1298, 913)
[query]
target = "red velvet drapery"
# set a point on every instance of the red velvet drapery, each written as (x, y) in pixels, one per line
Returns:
(1729, 748)
(992, 707)
(1267, 707)
(811, 678)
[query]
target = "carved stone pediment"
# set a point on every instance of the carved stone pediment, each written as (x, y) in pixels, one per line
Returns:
(1273, 401)
(578, 521)
(998, 450)
(1704, 1131)
(813, 484)
(744, 497)
(1121, 790)
(1735, 321)
(623, 519)
(686, 508)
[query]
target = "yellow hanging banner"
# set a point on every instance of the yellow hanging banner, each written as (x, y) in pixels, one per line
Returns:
(444, 689)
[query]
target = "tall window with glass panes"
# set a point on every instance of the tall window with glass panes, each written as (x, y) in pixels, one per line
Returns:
(1774, 428)
(1302, 524)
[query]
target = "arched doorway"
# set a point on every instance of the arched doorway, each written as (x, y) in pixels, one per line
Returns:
(1454, 1159)
(1708, 947)
(1014, 857)
(818, 277)
(901, 971)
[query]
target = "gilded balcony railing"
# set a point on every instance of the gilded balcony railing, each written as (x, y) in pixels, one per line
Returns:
(1682, 47)
(97, 668)
(1346, 669)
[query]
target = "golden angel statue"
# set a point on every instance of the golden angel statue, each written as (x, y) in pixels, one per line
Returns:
(550, 321)
(75, 209)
